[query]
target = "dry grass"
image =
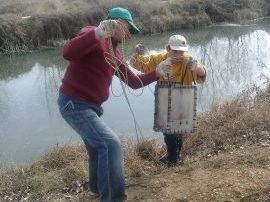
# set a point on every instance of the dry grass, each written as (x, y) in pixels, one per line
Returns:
(53, 173)
(143, 157)
(63, 156)
(229, 125)
(64, 170)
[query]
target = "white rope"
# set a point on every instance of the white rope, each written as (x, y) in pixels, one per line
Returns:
(112, 60)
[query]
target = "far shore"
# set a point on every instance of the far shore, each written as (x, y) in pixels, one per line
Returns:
(31, 25)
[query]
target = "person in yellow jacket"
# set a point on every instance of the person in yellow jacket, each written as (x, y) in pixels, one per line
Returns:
(183, 69)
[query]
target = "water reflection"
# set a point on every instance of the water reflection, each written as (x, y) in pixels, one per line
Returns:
(235, 56)
(29, 121)
(12, 66)
(234, 63)
(29, 118)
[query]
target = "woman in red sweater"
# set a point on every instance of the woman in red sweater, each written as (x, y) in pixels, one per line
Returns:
(85, 87)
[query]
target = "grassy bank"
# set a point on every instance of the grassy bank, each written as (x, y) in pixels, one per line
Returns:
(31, 24)
(233, 136)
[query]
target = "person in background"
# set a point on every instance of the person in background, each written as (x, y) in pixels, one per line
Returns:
(85, 87)
(184, 70)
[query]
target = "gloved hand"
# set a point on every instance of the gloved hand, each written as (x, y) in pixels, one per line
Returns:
(106, 29)
(164, 69)
(192, 64)
(139, 49)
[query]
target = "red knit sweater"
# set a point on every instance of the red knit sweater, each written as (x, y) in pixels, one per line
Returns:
(88, 75)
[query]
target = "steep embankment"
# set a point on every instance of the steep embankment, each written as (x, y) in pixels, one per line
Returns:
(227, 159)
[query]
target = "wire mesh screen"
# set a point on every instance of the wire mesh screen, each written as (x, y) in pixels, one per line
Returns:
(175, 108)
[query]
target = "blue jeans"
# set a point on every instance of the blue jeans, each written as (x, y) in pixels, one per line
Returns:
(106, 170)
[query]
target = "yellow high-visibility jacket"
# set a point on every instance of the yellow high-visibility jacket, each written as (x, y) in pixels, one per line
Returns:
(180, 73)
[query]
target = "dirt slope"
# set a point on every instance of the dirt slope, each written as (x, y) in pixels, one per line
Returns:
(241, 175)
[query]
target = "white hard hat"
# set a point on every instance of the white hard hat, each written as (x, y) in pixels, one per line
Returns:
(178, 42)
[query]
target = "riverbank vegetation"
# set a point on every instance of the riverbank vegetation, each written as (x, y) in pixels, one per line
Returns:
(32, 24)
(227, 159)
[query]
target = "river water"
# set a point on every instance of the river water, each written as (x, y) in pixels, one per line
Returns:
(30, 124)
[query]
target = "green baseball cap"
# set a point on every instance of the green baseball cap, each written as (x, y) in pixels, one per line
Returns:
(123, 14)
